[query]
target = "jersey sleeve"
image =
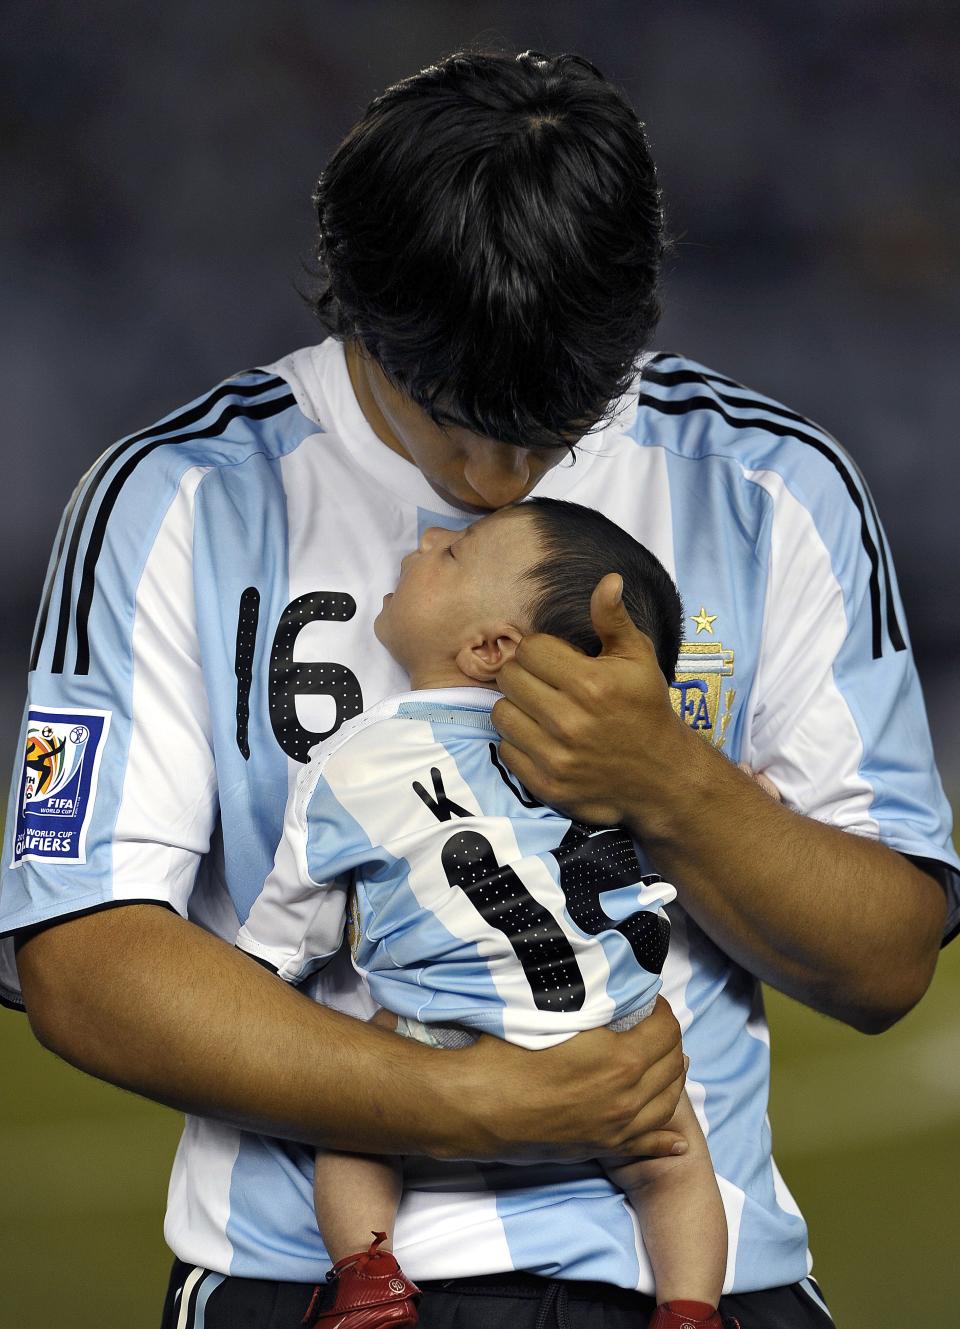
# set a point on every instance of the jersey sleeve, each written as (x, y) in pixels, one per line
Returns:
(838, 719)
(114, 792)
(296, 924)
(113, 798)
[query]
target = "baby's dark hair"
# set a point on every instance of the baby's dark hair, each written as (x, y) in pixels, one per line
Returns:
(581, 546)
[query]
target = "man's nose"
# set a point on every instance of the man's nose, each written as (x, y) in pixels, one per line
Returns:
(498, 472)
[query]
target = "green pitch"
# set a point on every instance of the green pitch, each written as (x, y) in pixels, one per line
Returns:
(865, 1129)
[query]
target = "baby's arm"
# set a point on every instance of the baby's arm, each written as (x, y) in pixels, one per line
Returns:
(681, 1216)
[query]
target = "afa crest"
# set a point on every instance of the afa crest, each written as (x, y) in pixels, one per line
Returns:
(698, 694)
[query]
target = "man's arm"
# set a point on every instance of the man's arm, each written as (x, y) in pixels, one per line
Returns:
(142, 998)
(836, 920)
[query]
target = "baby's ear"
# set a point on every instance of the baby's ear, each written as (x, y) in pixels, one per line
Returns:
(484, 657)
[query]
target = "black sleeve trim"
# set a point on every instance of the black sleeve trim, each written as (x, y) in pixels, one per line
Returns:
(941, 873)
(296, 984)
(20, 935)
(259, 959)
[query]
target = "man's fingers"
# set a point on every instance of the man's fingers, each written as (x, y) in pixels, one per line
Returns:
(657, 1144)
(648, 1124)
(613, 625)
(524, 767)
(528, 693)
(550, 659)
(655, 1041)
(657, 1038)
(516, 727)
(661, 1078)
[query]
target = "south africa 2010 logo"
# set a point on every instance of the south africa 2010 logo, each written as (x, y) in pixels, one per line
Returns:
(61, 763)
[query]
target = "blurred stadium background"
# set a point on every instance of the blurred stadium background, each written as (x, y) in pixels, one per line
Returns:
(157, 164)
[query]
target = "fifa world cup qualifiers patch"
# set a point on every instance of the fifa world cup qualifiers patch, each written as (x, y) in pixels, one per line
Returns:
(58, 784)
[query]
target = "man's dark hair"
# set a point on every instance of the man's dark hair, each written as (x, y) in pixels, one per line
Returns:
(491, 232)
(581, 546)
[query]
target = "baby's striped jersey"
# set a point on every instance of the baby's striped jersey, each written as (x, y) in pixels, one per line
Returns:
(474, 903)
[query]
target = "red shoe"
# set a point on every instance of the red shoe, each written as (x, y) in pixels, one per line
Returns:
(372, 1290)
(666, 1318)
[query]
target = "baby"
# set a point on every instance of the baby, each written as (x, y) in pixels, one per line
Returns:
(475, 908)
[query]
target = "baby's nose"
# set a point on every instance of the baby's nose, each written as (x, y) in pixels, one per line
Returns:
(433, 535)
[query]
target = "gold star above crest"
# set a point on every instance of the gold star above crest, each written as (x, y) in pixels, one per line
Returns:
(703, 620)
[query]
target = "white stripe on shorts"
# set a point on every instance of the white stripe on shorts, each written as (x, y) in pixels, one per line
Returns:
(190, 1282)
(205, 1283)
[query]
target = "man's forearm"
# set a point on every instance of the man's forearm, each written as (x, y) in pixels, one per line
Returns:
(188, 1021)
(142, 998)
(836, 920)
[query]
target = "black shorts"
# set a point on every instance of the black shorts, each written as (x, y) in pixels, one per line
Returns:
(199, 1299)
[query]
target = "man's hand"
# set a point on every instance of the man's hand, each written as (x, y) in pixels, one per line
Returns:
(591, 735)
(596, 1095)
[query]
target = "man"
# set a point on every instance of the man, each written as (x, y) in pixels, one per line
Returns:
(490, 239)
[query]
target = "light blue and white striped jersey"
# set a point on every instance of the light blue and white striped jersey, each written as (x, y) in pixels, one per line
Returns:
(474, 903)
(207, 619)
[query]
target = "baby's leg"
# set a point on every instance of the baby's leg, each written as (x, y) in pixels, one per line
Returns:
(356, 1194)
(681, 1216)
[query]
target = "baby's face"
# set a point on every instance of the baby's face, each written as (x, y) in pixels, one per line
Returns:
(457, 586)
